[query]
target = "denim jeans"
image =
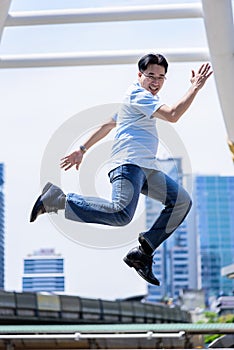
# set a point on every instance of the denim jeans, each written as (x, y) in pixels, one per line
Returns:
(128, 182)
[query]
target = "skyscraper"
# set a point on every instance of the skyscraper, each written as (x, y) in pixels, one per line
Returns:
(194, 260)
(2, 213)
(214, 200)
(44, 272)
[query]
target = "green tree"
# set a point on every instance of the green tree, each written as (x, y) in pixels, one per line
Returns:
(212, 317)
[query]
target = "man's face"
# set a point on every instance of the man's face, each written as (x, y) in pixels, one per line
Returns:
(152, 78)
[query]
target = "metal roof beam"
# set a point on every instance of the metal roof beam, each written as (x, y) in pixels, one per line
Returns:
(98, 58)
(110, 14)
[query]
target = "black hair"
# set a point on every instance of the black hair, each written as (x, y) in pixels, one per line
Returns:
(152, 58)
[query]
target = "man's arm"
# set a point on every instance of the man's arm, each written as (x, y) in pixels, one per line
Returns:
(75, 158)
(173, 113)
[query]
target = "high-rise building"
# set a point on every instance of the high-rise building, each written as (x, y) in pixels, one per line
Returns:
(171, 259)
(194, 260)
(44, 272)
(2, 216)
(179, 261)
(214, 200)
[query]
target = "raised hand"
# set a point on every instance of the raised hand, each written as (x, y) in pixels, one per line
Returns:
(198, 79)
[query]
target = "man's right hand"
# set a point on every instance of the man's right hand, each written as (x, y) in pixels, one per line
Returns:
(75, 158)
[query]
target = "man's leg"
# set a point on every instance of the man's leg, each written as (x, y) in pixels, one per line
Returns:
(127, 181)
(50, 201)
(177, 205)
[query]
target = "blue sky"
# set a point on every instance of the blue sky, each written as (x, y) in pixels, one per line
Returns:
(38, 101)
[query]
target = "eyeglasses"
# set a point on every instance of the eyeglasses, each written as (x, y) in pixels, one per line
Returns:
(153, 78)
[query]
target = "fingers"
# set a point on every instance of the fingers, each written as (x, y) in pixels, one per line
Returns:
(199, 79)
(201, 68)
(68, 167)
(202, 75)
(72, 159)
(66, 163)
(208, 75)
(204, 69)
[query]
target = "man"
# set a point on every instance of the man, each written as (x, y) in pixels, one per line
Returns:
(133, 166)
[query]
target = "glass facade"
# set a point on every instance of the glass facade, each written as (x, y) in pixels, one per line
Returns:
(44, 272)
(43, 284)
(215, 226)
(198, 257)
(43, 265)
(2, 227)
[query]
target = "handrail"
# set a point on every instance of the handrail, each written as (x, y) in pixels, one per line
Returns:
(79, 336)
(189, 328)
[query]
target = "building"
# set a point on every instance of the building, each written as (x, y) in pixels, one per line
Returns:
(44, 272)
(179, 261)
(2, 227)
(214, 198)
(196, 260)
(171, 259)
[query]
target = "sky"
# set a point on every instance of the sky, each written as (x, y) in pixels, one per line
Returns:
(39, 103)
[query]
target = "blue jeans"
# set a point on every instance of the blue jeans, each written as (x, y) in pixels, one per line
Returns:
(128, 181)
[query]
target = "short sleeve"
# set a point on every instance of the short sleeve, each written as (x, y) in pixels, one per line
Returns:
(145, 102)
(114, 117)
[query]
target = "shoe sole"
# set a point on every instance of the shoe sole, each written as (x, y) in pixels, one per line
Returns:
(45, 189)
(156, 283)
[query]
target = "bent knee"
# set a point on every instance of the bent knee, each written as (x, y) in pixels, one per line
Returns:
(185, 200)
(188, 200)
(122, 218)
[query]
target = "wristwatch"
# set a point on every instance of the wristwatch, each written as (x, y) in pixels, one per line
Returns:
(83, 148)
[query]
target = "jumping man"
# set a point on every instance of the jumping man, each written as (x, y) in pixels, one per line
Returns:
(133, 166)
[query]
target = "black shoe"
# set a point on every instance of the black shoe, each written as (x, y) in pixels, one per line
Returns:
(51, 199)
(142, 263)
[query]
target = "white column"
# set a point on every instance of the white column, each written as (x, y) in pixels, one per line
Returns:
(218, 17)
(4, 8)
